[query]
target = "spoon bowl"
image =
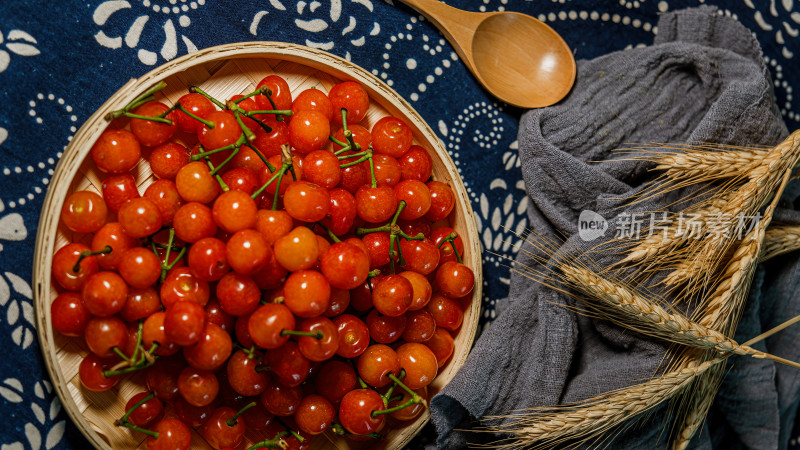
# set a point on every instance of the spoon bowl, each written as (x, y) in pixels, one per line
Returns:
(516, 57)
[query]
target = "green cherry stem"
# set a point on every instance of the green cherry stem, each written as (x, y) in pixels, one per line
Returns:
(145, 97)
(277, 112)
(338, 142)
(197, 90)
(131, 115)
(275, 176)
(233, 420)
(224, 186)
(226, 161)
(361, 383)
(414, 395)
(358, 161)
(128, 413)
(209, 124)
(275, 442)
(397, 408)
(350, 141)
(205, 154)
(451, 239)
(353, 155)
(248, 133)
(374, 182)
(418, 237)
(333, 237)
(245, 97)
(315, 334)
(151, 433)
(337, 429)
(344, 119)
(261, 156)
(135, 355)
(268, 92)
(120, 353)
(86, 253)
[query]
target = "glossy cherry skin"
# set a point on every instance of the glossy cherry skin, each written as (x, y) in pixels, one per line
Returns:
(345, 265)
(442, 345)
(164, 194)
(281, 400)
(195, 183)
(308, 131)
(375, 204)
(442, 201)
(247, 251)
(421, 256)
(355, 411)
(446, 312)
(104, 293)
(378, 248)
(69, 314)
(446, 252)
(238, 294)
(387, 170)
(84, 212)
(234, 210)
(172, 435)
(271, 276)
(273, 224)
(351, 96)
(198, 387)
(258, 418)
(385, 329)
(321, 167)
(102, 334)
(417, 197)
(153, 332)
(118, 189)
(376, 363)
(140, 267)
(111, 235)
(313, 100)
(420, 326)
(91, 375)
(242, 178)
(193, 416)
(207, 259)
(151, 133)
(167, 159)
(162, 377)
(340, 300)
(194, 221)
(314, 414)
(267, 322)
(184, 323)
(392, 295)
(280, 93)
(416, 164)
(419, 363)
(297, 250)
(116, 151)
(147, 413)
(421, 288)
(225, 132)
(409, 412)
(140, 217)
(307, 201)
(318, 349)
(342, 213)
(269, 144)
(211, 351)
(244, 375)
(391, 136)
(307, 293)
(335, 379)
(454, 279)
(288, 365)
(64, 262)
(353, 335)
(218, 433)
(182, 284)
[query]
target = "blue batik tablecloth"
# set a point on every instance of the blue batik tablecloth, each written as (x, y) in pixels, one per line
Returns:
(60, 60)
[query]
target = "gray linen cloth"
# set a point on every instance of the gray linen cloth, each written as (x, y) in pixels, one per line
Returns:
(703, 79)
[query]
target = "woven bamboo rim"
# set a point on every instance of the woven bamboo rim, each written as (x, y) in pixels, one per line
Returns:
(222, 71)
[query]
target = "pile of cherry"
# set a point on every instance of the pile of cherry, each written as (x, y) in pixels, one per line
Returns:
(276, 276)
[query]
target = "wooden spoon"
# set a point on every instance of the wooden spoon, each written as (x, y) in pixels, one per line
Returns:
(517, 58)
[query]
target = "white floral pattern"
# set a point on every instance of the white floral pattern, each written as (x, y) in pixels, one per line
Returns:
(12, 390)
(17, 42)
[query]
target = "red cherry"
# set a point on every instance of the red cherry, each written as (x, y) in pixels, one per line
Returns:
(90, 372)
(103, 334)
(385, 329)
(198, 387)
(184, 323)
(182, 284)
(335, 379)
(392, 295)
(416, 164)
(166, 160)
(454, 279)
(376, 363)
(419, 363)
(238, 294)
(104, 294)
(442, 345)
(234, 211)
(226, 131)
(391, 136)
(64, 261)
(314, 414)
(446, 312)
(352, 97)
(345, 265)
(211, 351)
(244, 375)
(164, 194)
(288, 365)
(247, 251)
(306, 201)
(281, 400)
(113, 236)
(313, 100)
(353, 335)
(194, 221)
(147, 413)
(84, 212)
(151, 133)
(442, 201)
(318, 349)
(281, 94)
(420, 326)
(321, 167)
(355, 411)
(140, 267)
(297, 250)
(376, 204)
(116, 151)
(308, 131)
(118, 189)
(207, 260)
(69, 315)
(267, 322)
(195, 183)
(172, 435)
(140, 217)
(197, 105)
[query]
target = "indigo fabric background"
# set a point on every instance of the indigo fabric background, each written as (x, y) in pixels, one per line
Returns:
(60, 60)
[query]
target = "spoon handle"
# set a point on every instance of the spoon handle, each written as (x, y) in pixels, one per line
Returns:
(457, 25)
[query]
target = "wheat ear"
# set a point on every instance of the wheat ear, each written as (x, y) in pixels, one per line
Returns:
(779, 240)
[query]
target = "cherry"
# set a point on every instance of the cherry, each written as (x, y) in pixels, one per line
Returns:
(376, 204)
(421, 290)
(153, 333)
(198, 387)
(172, 435)
(118, 189)
(306, 201)
(140, 267)
(322, 346)
(195, 104)
(162, 377)
(211, 351)
(392, 295)
(342, 212)
(454, 279)
(241, 178)
(271, 276)
(184, 323)
(420, 326)
(417, 198)
(416, 164)
(391, 136)
(409, 412)
(385, 329)
(104, 294)
(345, 265)
(355, 411)
(234, 211)
(238, 294)
(193, 416)
(281, 400)
(308, 131)
(297, 250)
(321, 167)
(194, 221)
(353, 177)
(226, 131)
(140, 217)
(215, 315)
(273, 224)
(281, 95)
(442, 345)
(387, 170)
(351, 96)
(244, 375)
(415, 227)
(446, 312)
(103, 334)
(167, 159)
(446, 252)
(314, 414)
(307, 293)
(378, 248)
(376, 364)
(111, 235)
(442, 201)
(66, 260)
(269, 144)
(313, 100)
(361, 296)
(361, 136)
(247, 251)
(353, 335)
(223, 429)
(267, 322)
(90, 372)
(164, 194)
(195, 183)
(207, 260)
(258, 418)
(339, 301)
(419, 363)
(182, 284)
(69, 315)
(288, 364)
(149, 132)
(116, 151)
(84, 212)
(147, 413)
(421, 256)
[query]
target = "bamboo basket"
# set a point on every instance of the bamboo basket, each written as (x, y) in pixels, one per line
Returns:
(222, 71)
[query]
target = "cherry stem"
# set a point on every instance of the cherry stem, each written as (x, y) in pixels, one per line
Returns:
(245, 97)
(261, 156)
(135, 355)
(350, 141)
(414, 395)
(151, 433)
(170, 242)
(418, 237)
(197, 90)
(359, 161)
(128, 413)
(248, 134)
(338, 142)
(397, 408)
(275, 442)
(77, 267)
(234, 420)
(339, 430)
(361, 383)
(315, 334)
(277, 112)
(268, 92)
(353, 155)
(150, 118)
(226, 161)
(199, 156)
(400, 207)
(209, 124)
(224, 186)
(374, 183)
(333, 237)
(145, 97)
(120, 353)
(274, 177)
(451, 239)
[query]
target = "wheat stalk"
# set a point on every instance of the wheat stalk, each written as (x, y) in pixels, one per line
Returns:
(779, 240)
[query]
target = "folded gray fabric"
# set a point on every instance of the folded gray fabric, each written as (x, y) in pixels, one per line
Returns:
(702, 80)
